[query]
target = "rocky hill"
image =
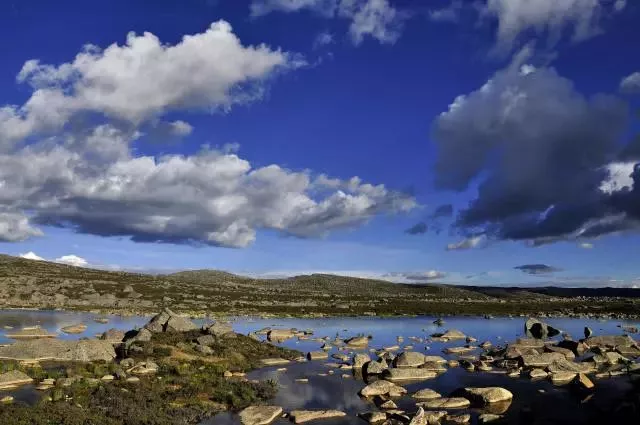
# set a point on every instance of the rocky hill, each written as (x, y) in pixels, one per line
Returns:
(38, 284)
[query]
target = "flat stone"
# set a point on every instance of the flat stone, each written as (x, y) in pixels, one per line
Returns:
(445, 403)
(568, 354)
(541, 360)
(453, 334)
(302, 416)
(537, 374)
(408, 374)
(459, 350)
(274, 361)
(33, 332)
(561, 378)
(487, 395)
(260, 415)
(373, 417)
(486, 418)
(74, 329)
(610, 341)
(317, 355)
(457, 419)
(358, 341)
(563, 365)
(426, 394)
(83, 350)
(381, 387)
(583, 381)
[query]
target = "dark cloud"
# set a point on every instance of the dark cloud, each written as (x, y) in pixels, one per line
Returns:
(542, 154)
(537, 269)
(443, 211)
(417, 229)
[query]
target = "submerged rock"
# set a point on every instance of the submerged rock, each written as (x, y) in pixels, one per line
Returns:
(74, 329)
(260, 415)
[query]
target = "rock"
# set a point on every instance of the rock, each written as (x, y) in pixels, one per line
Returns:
(74, 329)
(168, 321)
(218, 329)
(568, 354)
(259, 415)
(563, 365)
(207, 340)
(13, 379)
(359, 360)
(381, 387)
(274, 361)
(528, 343)
(611, 341)
(204, 349)
(628, 351)
(434, 359)
(317, 355)
(373, 417)
(438, 322)
(485, 418)
(389, 404)
(534, 328)
(113, 336)
(302, 416)
(143, 368)
(434, 367)
(486, 345)
(583, 381)
(375, 368)
(102, 320)
(357, 342)
(408, 374)
(179, 324)
(459, 350)
(426, 394)
(83, 350)
(133, 380)
(445, 403)
(33, 332)
(561, 378)
(6, 399)
(587, 332)
(537, 374)
(578, 348)
(486, 395)
(457, 419)
(541, 360)
(409, 359)
(453, 334)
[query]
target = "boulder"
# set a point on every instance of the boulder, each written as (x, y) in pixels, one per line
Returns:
(260, 415)
(426, 394)
(113, 335)
(279, 335)
(357, 342)
(537, 374)
(610, 341)
(317, 355)
(434, 367)
(541, 360)
(578, 348)
(568, 354)
(409, 359)
(373, 417)
(563, 365)
(453, 334)
(359, 360)
(33, 332)
(274, 361)
(408, 374)
(381, 387)
(434, 359)
(486, 395)
(302, 416)
(445, 403)
(534, 328)
(218, 329)
(168, 321)
(206, 340)
(13, 379)
(74, 329)
(457, 419)
(179, 324)
(583, 381)
(561, 378)
(375, 368)
(426, 418)
(83, 350)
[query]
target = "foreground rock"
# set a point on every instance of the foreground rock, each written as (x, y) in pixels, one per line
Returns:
(84, 350)
(534, 328)
(357, 342)
(486, 395)
(302, 416)
(260, 415)
(13, 379)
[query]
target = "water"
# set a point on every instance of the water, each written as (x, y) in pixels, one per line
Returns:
(534, 402)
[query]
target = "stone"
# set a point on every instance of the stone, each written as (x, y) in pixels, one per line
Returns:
(537, 374)
(83, 350)
(563, 365)
(453, 363)
(204, 349)
(408, 374)
(561, 378)
(457, 419)
(207, 340)
(359, 360)
(486, 395)
(375, 368)
(541, 360)
(133, 380)
(114, 336)
(426, 394)
(568, 354)
(587, 332)
(578, 348)
(486, 345)
(459, 350)
(179, 324)
(168, 321)
(583, 381)
(409, 359)
(274, 361)
(486, 418)
(528, 343)
(259, 415)
(381, 387)
(143, 368)
(389, 404)
(302, 416)
(317, 355)
(14, 378)
(33, 332)
(453, 334)
(434, 367)
(373, 417)
(534, 328)
(358, 342)
(218, 329)
(445, 403)
(6, 399)
(74, 329)
(434, 359)
(611, 341)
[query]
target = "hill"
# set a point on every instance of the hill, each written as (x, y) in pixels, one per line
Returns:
(39, 284)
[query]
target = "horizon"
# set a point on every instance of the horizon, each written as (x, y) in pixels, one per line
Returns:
(460, 142)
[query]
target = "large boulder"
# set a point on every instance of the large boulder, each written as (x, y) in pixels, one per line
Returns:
(409, 359)
(375, 368)
(381, 387)
(218, 329)
(426, 394)
(534, 328)
(486, 395)
(279, 335)
(260, 415)
(564, 365)
(114, 336)
(357, 342)
(359, 360)
(84, 350)
(168, 321)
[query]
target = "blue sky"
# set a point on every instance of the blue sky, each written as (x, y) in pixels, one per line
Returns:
(102, 147)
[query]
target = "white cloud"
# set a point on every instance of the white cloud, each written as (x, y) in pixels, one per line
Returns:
(31, 256)
(323, 39)
(143, 79)
(467, 243)
(72, 260)
(582, 17)
(377, 19)
(15, 226)
(619, 177)
(631, 83)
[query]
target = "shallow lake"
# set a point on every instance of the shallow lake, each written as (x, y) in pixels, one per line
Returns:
(534, 402)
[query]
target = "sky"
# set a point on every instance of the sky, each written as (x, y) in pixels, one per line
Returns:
(480, 142)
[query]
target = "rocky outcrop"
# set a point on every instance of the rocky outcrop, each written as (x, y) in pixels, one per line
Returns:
(260, 415)
(534, 328)
(218, 329)
(84, 350)
(114, 336)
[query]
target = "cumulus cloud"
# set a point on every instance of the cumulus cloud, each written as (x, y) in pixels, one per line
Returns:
(209, 71)
(89, 178)
(377, 19)
(535, 269)
(517, 17)
(31, 256)
(72, 260)
(541, 153)
(630, 84)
